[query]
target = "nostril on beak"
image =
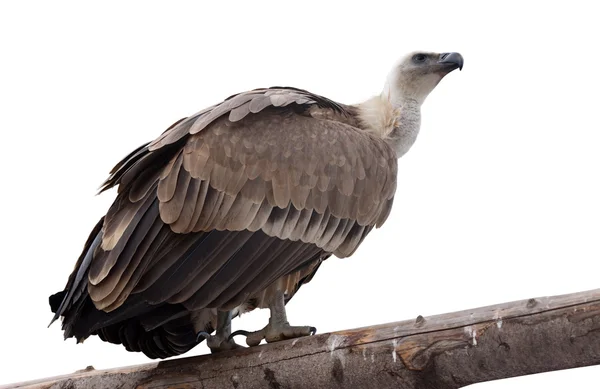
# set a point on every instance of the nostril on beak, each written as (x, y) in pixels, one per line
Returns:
(444, 55)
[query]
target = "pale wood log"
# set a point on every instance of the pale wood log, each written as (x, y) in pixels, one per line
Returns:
(444, 351)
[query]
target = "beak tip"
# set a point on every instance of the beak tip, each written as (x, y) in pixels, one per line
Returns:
(453, 58)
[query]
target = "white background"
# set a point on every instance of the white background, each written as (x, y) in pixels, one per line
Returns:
(497, 201)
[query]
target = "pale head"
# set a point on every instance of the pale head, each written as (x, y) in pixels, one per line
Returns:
(417, 74)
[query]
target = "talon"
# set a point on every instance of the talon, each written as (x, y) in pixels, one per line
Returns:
(204, 335)
(252, 338)
(238, 332)
(313, 330)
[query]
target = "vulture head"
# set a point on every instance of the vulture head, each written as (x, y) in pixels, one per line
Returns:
(395, 114)
(417, 74)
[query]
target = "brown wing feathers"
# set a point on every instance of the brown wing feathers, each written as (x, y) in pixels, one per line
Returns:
(227, 202)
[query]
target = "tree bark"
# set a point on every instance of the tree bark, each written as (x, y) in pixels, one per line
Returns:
(444, 351)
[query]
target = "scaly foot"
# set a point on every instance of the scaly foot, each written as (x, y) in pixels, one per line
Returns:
(274, 332)
(218, 342)
(221, 340)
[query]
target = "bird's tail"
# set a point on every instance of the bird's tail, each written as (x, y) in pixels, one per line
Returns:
(70, 300)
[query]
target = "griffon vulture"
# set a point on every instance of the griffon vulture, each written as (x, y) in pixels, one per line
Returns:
(235, 207)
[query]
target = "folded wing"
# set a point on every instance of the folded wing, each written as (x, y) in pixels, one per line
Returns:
(224, 203)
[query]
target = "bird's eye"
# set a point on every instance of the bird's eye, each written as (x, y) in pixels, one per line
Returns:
(419, 58)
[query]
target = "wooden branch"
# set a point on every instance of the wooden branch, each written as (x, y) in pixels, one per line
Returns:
(444, 351)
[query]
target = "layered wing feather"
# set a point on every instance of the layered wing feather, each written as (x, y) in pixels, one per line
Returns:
(250, 193)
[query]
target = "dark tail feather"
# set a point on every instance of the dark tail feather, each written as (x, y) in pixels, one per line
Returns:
(55, 300)
(61, 301)
(172, 338)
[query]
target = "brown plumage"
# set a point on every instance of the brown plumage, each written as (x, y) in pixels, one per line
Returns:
(241, 199)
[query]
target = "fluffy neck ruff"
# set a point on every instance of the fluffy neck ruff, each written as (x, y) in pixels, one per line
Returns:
(378, 116)
(398, 124)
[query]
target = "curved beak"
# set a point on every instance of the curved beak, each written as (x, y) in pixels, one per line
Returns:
(454, 59)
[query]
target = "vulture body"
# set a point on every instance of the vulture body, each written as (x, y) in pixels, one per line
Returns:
(235, 207)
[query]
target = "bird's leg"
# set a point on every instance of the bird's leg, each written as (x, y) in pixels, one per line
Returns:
(221, 340)
(278, 327)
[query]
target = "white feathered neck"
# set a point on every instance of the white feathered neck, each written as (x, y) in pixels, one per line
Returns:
(397, 125)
